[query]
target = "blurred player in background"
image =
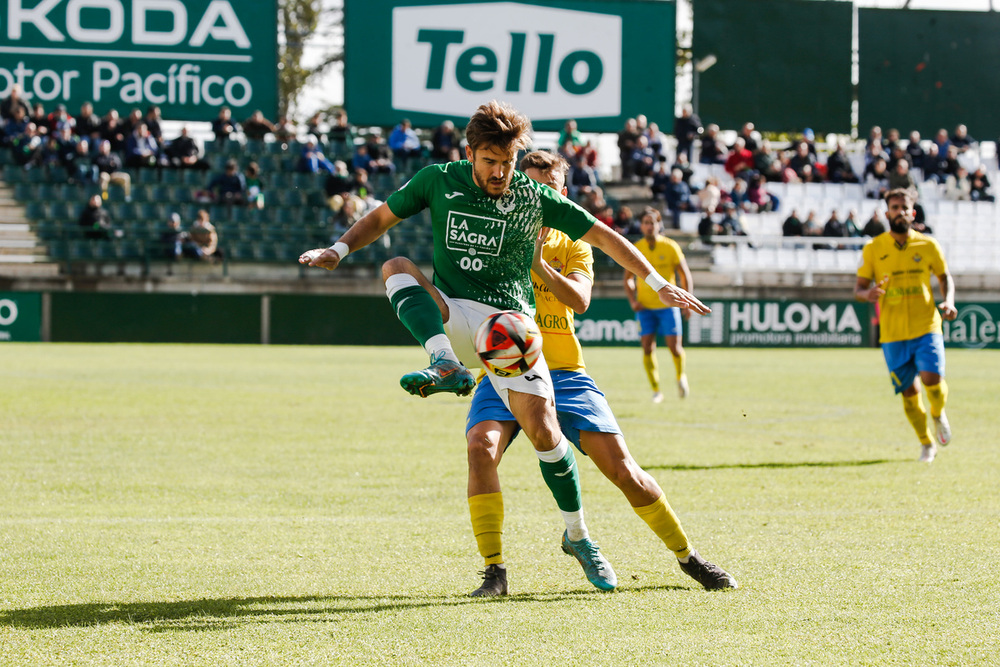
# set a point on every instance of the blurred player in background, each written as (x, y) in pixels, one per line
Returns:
(485, 217)
(655, 319)
(562, 277)
(895, 272)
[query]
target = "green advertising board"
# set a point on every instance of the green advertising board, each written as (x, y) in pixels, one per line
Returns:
(977, 326)
(189, 57)
(20, 317)
(741, 324)
(599, 62)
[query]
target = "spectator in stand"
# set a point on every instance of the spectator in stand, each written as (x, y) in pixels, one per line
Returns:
(920, 220)
(83, 164)
(960, 139)
(60, 118)
(14, 126)
(792, 226)
(838, 166)
(205, 238)
(874, 151)
(625, 222)
(958, 187)
(951, 162)
(173, 239)
(183, 153)
(443, 140)
(256, 127)
(581, 176)
(643, 158)
(404, 142)
(687, 127)
(255, 185)
(898, 153)
(876, 179)
(360, 187)
(381, 157)
(803, 163)
(40, 119)
(312, 160)
(341, 135)
(834, 227)
(874, 226)
(914, 152)
(685, 167)
(152, 121)
(891, 141)
(749, 136)
(707, 228)
(284, 130)
(678, 197)
(112, 131)
(657, 140)
(740, 163)
(571, 134)
(709, 196)
(95, 220)
(738, 195)
(337, 185)
(27, 148)
(730, 223)
(811, 226)
(661, 180)
(900, 177)
(934, 165)
(592, 201)
(628, 140)
(853, 229)
(109, 170)
(760, 199)
(874, 138)
(713, 150)
(130, 123)
(229, 187)
(141, 149)
(87, 123)
(607, 216)
(980, 185)
(942, 141)
(12, 102)
(67, 151)
(766, 163)
(314, 125)
(223, 126)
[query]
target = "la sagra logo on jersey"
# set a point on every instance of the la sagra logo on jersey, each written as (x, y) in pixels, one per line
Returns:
(474, 234)
(447, 59)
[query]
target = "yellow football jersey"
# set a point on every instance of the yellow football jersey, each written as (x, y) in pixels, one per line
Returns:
(555, 319)
(908, 309)
(666, 257)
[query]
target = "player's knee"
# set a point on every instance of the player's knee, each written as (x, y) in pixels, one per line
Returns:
(481, 449)
(395, 266)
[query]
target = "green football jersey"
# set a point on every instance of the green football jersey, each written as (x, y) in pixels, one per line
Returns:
(483, 246)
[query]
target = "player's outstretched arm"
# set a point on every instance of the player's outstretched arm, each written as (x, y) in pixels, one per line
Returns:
(363, 232)
(623, 252)
(573, 290)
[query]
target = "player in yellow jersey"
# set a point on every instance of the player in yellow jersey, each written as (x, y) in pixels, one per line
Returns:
(895, 272)
(654, 318)
(562, 276)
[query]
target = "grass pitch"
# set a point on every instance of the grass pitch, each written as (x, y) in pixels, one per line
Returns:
(230, 505)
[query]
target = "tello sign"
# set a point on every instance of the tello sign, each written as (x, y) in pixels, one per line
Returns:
(548, 63)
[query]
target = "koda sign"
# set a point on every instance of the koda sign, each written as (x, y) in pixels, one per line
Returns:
(551, 60)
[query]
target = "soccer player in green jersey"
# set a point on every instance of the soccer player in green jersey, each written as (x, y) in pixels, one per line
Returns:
(896, 269)
(486, 217)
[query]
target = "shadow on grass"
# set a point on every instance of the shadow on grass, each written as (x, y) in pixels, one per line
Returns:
(781, 464)
(225, 613)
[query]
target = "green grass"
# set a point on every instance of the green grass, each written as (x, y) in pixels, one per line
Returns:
(213, 505)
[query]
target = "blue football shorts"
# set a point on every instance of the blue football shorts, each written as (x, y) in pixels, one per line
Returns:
(661, 321)
(580, 406)
(906, 358)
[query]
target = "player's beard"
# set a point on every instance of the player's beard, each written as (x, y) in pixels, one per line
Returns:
(900, 225)
(492, 187)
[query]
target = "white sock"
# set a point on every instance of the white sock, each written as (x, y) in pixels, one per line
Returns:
(554, 455)
(576, 529)
(440, 345)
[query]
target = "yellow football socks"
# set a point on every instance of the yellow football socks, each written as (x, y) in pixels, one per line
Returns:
(652, 370)
(915, 412)
(937, 395)
(486, 510)
(664, 523)
(679, 363)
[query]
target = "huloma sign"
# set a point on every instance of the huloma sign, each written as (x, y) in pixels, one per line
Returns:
(552, 61)
(188, 56)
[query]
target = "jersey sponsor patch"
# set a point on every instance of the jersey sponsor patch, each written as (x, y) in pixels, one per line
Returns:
(474, 234)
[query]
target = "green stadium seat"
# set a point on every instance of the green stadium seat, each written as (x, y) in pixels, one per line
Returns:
(168, 176)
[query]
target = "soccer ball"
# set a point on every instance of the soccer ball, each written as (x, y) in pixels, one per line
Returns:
(508, 343)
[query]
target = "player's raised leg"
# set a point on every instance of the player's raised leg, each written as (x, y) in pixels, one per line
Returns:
(423, 312)
(611, 456)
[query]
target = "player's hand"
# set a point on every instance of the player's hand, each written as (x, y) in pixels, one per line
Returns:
(325, 258)
(948, 310)
(877, 290)
(671, 295)
(536, 260)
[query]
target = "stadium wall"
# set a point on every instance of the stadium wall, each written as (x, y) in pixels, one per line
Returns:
(296, 319)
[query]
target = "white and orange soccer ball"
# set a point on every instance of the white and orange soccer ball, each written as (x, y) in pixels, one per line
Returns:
(508, 343)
